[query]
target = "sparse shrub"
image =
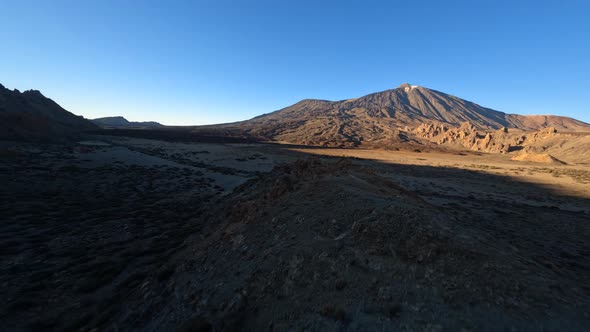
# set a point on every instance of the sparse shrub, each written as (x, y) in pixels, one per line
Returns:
(70, 169)
(393, 310)
(195, 324)
(165, 273)
(333, 312)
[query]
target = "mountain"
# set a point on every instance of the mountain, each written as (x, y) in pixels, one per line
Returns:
(33, 117)
(116, 122)
(561, 123)
(384, 118)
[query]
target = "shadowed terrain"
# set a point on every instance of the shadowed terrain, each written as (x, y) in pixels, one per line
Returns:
(141, 234)
(30, 116)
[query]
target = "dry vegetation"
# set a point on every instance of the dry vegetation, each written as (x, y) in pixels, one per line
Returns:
(152, 235)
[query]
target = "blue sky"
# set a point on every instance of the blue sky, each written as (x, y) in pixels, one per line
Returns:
(199, 62)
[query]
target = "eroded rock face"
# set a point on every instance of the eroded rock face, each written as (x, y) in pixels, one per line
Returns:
(467, 135)
(470, 137)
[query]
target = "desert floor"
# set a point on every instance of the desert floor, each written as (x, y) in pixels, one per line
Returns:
(135, 234)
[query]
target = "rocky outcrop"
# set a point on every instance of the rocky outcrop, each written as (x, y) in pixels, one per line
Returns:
(544, 158)
(468, 136)
(547, 145)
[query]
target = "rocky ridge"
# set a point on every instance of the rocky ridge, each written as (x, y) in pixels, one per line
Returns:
(32, 116)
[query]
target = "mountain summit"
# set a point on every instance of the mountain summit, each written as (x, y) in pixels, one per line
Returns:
(387, 116)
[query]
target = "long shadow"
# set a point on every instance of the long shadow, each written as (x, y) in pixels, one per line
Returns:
(172, 134)
(101, 236)
(538, 220)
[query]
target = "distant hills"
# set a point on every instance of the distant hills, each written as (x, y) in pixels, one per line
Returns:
(119, 122)
(31, 116)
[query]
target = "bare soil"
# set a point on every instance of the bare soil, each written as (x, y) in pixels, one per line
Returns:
(141, 234)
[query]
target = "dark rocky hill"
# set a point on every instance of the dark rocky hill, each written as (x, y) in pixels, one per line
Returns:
(31, 116)
(119, 122)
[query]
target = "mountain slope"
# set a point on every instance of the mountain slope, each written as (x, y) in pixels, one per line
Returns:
(386, 117)
(121, 122)
(31, 116)
(536, 122)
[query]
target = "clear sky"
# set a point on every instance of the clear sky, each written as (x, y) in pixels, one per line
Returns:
(199, 62)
